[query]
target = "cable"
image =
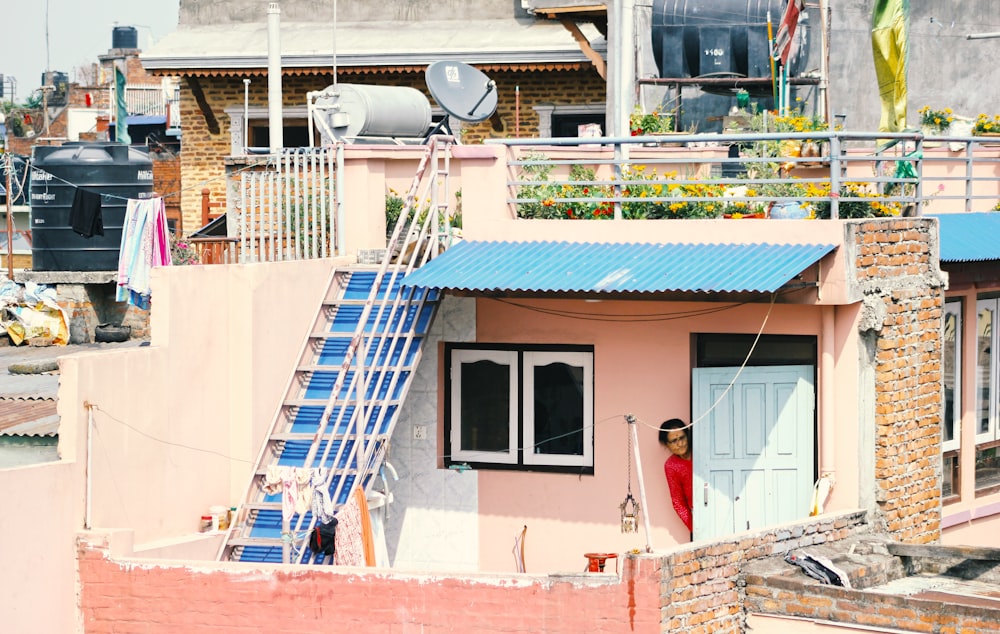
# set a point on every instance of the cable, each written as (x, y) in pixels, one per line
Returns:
(622, 317)
(165, 442)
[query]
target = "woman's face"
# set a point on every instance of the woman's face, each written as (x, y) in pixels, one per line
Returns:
(677, 442)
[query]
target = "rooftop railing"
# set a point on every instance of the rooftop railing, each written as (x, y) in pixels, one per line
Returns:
(782, 175)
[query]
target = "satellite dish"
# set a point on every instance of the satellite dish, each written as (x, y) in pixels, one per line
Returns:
(463, 91)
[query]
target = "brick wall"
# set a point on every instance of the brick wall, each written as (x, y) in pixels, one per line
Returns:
(697, 589)
(166, 181)
(201, 160)
(903, 289)
(797, 595)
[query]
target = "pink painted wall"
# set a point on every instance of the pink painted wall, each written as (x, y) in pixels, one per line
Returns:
(641, 368)
(122, 595)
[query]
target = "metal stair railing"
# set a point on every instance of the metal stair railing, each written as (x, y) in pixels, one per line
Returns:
(393, 309)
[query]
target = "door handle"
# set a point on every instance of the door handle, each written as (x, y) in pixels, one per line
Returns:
(706, 494)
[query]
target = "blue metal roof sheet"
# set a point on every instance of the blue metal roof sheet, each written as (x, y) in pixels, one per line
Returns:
(969, 237)
(616, 268)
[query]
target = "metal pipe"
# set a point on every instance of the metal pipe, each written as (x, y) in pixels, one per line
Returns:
(8, 167)
(642, 482)
(90, 453)
(827, 398)
(274, 120)
(246, 115)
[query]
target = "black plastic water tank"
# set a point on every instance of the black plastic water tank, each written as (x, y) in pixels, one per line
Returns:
(121, 171)
(695, 38)
(124, 37)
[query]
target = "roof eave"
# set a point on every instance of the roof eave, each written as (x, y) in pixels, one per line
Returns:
(349, 61)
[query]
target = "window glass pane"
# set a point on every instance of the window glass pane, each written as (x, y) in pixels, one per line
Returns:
(485, 412)
(987, 468)
(950, 358)
(558, 409)
(984, 379)
(950, 473)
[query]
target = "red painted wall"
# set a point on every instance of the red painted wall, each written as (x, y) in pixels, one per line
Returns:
(154, 597)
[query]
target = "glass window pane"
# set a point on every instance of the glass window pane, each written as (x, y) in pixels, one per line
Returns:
(949, 484)
(987, 468)
(559, 409)
(485, 406)
(950, 376)
(984, 366)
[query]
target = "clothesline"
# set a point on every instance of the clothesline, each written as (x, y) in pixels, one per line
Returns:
(180, 191)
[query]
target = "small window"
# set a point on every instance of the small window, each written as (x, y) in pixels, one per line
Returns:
(520, 407)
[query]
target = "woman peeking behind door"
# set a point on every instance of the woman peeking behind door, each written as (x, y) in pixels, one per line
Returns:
(676, 436)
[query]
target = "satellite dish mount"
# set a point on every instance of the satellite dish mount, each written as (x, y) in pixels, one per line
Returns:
(464, 92)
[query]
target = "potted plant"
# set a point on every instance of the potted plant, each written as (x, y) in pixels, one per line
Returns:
(641, 123)
(935, 122)
(986, 125)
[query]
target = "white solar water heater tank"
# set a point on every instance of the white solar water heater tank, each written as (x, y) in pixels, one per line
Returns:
(356, 110)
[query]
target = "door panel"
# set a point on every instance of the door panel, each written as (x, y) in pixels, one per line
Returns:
(754, 447)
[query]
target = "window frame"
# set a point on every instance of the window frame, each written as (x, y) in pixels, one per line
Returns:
(521, 358)
(954, 307)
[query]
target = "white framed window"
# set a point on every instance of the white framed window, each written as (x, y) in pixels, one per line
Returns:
(520, 407)
(952, 351)
(987, 396)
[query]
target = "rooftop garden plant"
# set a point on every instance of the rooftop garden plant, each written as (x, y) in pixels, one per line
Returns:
(655, 122)
(986, 125)
(936, 120)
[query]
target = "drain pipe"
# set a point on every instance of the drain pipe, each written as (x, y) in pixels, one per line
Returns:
(828, 411)
(274, 121)
(90, 446)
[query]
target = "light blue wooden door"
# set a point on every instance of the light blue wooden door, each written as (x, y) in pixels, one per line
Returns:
(754, 447)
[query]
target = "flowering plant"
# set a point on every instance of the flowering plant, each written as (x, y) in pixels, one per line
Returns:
(640, 123)
(183, 251)
(795, 121)
(937, 119)
(986, 125)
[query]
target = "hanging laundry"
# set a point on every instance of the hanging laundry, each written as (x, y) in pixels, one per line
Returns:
(145, 244)
(354, 543)
(85, 214)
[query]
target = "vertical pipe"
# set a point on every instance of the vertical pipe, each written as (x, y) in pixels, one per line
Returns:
(8, 167)
(90, 463)
(827, 398)
(274, 121)
(246, 115)
(824, 61)
(642, 482)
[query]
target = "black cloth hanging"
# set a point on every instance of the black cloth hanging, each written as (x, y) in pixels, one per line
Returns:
(85, 215)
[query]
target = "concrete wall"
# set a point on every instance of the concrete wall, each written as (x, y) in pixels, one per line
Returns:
(194, 12)
(690, 590)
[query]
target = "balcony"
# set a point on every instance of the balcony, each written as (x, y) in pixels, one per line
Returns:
(332, 201)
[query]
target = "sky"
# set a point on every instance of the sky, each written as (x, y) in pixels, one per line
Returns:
(78, 31)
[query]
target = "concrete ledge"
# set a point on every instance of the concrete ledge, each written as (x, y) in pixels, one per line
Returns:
(66, 277)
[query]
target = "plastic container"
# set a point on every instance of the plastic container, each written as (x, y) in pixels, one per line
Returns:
(220, 517)
(206, 523)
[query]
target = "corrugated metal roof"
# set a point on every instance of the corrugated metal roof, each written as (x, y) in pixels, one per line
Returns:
(969, 237)
(616, 268)
(28, 418)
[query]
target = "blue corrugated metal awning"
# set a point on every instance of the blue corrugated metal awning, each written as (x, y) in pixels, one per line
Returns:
(969, 237)
(616, 268)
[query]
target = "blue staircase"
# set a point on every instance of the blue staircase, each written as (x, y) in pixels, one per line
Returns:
(344, 397)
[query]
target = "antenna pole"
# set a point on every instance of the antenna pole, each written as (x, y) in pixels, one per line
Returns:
(334, 42)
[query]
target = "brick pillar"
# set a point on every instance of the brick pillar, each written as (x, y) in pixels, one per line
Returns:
(902, 286)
